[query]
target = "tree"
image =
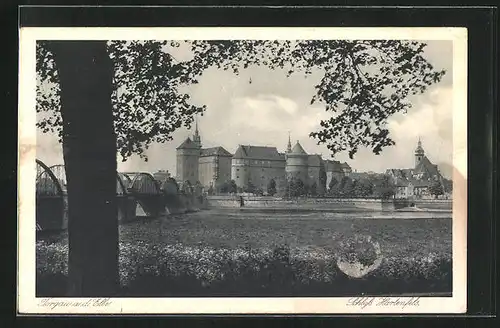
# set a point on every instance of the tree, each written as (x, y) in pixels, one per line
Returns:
(313, 189)
(124, 95)
(322, 181)
(447, 185)
(297, 188)
(436, 189)
(171, 187)
(224, 187)
(346, 187)
(210, 190)
(232, 188)
(332, 184)
(364, 188)
(271, 187)
(187, 188)
(249, 188)
(351, 189)
(384, 187)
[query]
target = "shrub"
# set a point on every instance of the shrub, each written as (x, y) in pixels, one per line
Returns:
(147, 269)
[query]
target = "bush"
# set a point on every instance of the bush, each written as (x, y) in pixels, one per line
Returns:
(178, 270)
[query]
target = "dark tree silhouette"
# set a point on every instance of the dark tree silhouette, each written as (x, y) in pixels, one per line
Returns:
(271, 187)
(364, 188)
(124, 95)
(332, 184)
(313, 189)
(322, 181)
(85, 74)
(232, 188)
(436, 189)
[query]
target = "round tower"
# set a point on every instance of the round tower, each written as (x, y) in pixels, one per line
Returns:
(419, 153)
(239, 167)
(297, 163)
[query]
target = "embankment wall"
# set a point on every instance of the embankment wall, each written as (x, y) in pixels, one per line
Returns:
(324, 203)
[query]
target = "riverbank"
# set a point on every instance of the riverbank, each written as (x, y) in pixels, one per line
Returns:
(329, 204)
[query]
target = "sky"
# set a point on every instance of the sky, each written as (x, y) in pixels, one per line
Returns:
(266, 110)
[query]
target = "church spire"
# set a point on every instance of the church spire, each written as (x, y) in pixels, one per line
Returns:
(289, 146)
(196, 136)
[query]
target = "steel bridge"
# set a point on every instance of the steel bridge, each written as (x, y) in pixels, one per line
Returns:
(138, 194)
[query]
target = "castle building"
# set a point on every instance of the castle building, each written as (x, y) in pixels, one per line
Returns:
(251, 165)
(257, 165)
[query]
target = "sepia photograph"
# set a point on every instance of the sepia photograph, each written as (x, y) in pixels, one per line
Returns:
(234, 166)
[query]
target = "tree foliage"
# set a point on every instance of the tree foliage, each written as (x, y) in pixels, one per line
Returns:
(271, 187)
(313, 189)
(296, 188)
(332, 184)
(364, 82)
(436, 189)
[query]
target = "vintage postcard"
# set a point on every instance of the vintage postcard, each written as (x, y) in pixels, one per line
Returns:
(242, 170)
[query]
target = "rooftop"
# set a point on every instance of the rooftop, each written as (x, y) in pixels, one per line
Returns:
(188, 144)
(257, 152)
(215, 151)
(298, 150)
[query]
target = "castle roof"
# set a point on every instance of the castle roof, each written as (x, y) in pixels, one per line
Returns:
(188, 144)
(345, 166)
(333, 166)
(314, 160)
(257, 152)
(215, 151)
(298, 150)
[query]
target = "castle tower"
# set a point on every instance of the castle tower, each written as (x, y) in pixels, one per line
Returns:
(419, 153)
(297, 163)
(240, 167)
(188, 154)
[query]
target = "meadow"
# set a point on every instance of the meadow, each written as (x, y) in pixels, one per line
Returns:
(224, 253)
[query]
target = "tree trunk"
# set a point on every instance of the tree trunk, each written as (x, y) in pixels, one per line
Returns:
(89, 141)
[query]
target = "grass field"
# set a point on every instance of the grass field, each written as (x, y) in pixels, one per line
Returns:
(213, 241)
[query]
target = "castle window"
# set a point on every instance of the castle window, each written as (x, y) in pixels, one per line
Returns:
(237, 177)
(238, 170)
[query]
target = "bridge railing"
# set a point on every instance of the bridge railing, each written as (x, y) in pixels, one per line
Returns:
(51, 197)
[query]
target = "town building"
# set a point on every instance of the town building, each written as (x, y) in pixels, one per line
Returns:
(415, 182)
(253, 165)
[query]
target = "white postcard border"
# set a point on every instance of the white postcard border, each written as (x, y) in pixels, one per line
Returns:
(29, 304)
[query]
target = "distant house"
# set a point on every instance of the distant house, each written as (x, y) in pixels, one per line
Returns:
(404, 188)
(336, 170)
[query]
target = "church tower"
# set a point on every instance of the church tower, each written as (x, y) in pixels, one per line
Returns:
(289, 146)
(419, 153)
(196, 136)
